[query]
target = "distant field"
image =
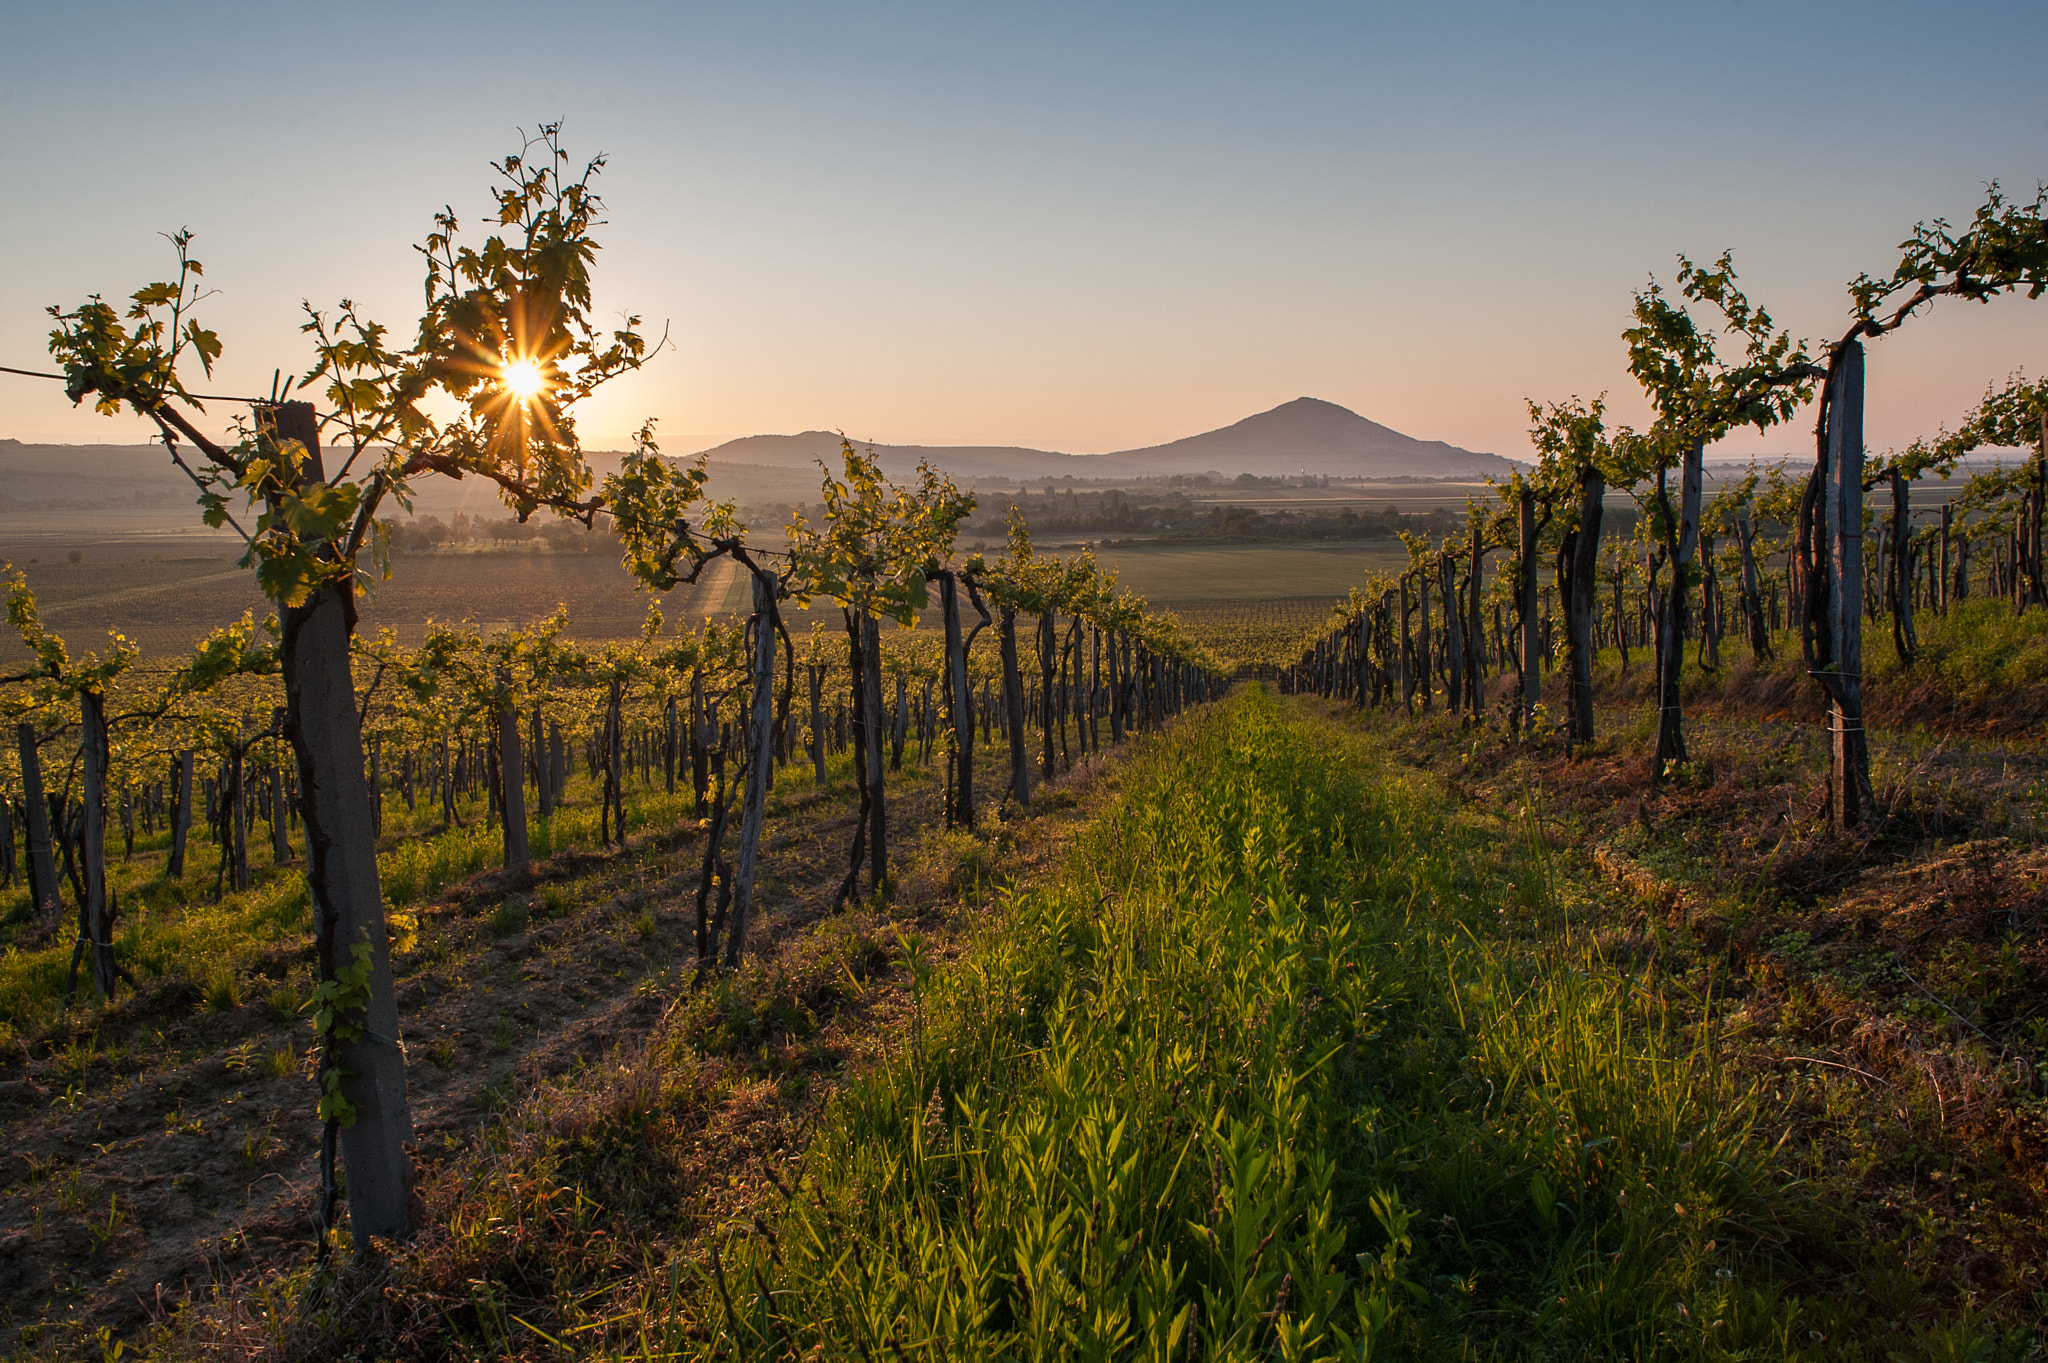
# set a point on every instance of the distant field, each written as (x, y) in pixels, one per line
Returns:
(166, 594)
(1208, 572)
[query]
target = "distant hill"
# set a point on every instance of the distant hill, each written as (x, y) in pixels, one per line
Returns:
(118, 489)
(965, 462)
(1309, 435)
(1306, 435)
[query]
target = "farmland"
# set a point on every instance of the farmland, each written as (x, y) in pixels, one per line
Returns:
(1247, 601)
(1598, 916)
(166, 594)
(1505, 985)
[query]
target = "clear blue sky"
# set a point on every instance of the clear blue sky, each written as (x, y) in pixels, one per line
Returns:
(1080, 227)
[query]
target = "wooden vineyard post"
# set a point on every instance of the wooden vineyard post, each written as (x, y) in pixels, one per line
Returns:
(959, 714)
(1116, 692)
(280, 819)
(1475, 629)
(1048, 643)
(94, 750)
(668, 746)
(512, 778)
(760, 740)
(1582, 563)
(324, 727)
(870, 683)
(1095, 689)
(181, 812)
(2036, 502)
(1752, 595)
(1675, 612)
(1525, 595)
(42, 863)
(1407, 650)
(815, 675)
(543, 765)
(1842, 495)
(1013, 709)
(1898, 580)
(1426, 654)
(1942, 581)
(1454, 631)
(612, 823)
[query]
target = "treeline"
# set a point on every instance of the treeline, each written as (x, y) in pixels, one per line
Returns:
(1070, 513)
(425, 534)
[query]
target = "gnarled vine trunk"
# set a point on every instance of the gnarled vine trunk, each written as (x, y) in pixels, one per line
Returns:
(1580, 591)
(1013, 710)
(323, 725)
(1684, 540)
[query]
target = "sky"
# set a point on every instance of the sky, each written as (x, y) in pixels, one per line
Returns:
(1081, 227)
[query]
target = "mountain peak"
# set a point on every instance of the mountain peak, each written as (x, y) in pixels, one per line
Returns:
(1306, 435)
(1312, 435)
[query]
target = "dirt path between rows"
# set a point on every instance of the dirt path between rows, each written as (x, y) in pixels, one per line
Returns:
(179, 1153)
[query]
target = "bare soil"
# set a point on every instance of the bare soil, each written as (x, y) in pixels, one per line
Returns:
(160, 1156)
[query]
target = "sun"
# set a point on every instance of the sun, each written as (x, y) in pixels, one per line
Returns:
(522, 379)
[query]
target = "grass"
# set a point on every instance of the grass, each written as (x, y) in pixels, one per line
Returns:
(1262, 1075)
(1295, 1058)
(1981, 666)
(1979, 652)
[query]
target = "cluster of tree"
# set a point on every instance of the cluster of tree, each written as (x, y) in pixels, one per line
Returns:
(1695, 569)
(425, 534)
(508, 345)
(1066, 512)
(1244, 480)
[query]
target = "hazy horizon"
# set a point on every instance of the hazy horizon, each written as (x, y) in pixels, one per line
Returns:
(1081, 229)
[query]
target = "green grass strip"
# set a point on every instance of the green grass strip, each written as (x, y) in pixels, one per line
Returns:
(1289, 1063)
